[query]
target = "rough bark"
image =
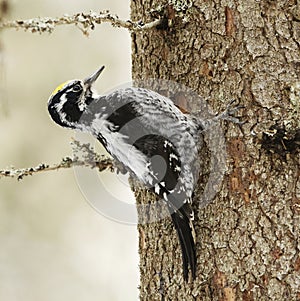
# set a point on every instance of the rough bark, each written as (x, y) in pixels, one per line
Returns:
(248, 237)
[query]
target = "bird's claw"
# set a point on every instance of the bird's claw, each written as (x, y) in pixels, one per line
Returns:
(230, 111)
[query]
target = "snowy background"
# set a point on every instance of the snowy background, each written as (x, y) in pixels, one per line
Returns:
(54, 245)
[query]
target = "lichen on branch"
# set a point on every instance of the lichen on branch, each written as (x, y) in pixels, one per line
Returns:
(84, 21)
(83, 156)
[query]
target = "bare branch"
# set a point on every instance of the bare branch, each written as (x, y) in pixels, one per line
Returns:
(88, 159)
(84, 22)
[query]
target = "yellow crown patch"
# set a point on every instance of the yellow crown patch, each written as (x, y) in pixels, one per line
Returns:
(59, 87)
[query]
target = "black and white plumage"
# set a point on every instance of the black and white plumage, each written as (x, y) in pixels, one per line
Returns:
(149, 135)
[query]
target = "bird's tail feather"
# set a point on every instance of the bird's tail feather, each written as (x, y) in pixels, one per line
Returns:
(185, 232)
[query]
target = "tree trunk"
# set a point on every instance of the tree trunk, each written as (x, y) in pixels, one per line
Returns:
(248, 237)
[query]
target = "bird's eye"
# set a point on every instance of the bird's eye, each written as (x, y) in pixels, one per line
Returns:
(77, 88)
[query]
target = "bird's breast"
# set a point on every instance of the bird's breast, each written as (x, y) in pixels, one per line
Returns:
(119, 147)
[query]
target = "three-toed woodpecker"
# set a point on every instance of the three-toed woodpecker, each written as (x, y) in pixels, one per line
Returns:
(149, 135)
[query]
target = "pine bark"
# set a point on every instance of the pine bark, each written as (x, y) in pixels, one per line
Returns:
(248, 237)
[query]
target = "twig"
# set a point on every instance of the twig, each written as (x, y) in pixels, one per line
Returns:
(89, 159)
(85, 22)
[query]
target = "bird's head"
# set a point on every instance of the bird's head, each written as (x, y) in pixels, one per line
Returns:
(69, 100)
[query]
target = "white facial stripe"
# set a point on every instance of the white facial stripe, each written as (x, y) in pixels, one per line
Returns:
(81, 104)
(59, 106)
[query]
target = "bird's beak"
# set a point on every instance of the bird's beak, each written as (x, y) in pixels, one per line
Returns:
(91, 79)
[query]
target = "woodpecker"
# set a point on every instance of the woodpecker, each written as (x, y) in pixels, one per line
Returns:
(149, 135)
